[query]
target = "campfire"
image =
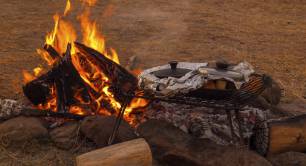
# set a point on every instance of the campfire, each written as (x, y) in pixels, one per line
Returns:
(180, 113)
(87, 79)
(81, 78)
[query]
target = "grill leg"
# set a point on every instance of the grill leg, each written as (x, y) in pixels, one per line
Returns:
(117, 123)
(230, 120)
(239, 126)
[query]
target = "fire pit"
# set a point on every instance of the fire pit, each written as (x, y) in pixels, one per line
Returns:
(87, 79)
(187, 112)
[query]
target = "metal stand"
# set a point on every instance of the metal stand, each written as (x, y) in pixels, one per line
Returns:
(117, 123)
(239, 126)
(230, 120)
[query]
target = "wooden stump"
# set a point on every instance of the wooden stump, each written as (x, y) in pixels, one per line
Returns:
(131, 153)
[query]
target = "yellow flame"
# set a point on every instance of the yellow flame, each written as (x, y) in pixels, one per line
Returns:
(45, 55)
(50, 38)
(114, 56)
(62, 34)
(37, 71)
(67, 8)
(136, 103)
(91, 37)
(66, 33)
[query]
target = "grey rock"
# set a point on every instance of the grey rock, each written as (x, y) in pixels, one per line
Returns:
(288, 159)
(18, 131)
(273, 94)
(65, 136)
(171, 146)
(99, 128)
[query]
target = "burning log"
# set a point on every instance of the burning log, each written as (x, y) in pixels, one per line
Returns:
(63, 77)
(130, 153)
(39, 90)
(52, 52)
(121, 80)
(49, 113)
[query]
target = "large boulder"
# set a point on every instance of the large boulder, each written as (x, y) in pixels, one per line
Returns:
(99, 128)
(171, 146)
(20, 130)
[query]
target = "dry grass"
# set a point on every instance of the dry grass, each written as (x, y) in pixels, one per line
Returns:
(35, 153)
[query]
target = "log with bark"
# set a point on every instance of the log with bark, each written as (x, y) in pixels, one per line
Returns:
(63, 78)
(130, 153)
(287, 135)
(48, 113)
(122, 81)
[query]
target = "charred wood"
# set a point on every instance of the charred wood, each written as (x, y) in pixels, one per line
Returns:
(121, 80)
(64, 78)
(52, 52)
(49, 113)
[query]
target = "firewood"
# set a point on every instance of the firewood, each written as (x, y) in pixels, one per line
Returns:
(39, 90)
(131, 153)
(64, 77)
(287, 135)
(52, 52)
(48, 113)
(121, 80)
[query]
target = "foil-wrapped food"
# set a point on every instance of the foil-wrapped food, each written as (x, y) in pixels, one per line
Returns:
(183, 77)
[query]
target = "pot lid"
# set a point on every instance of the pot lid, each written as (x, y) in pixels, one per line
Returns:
(173, 71)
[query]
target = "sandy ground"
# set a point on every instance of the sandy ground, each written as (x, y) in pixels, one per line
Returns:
(269, 34)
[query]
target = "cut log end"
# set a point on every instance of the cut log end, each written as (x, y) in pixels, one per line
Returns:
(130, 153)
(288, 135)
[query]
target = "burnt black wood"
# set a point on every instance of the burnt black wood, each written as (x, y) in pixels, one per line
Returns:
(64, 78)
(122, 82)
(49, 113)
(52, 52)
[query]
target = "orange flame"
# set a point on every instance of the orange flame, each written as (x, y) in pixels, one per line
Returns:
(27, 77)
(89, 2)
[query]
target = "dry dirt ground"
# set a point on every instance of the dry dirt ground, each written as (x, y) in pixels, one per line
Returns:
(269, 34)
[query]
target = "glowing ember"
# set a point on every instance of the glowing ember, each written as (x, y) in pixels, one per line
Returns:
(64, 33)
